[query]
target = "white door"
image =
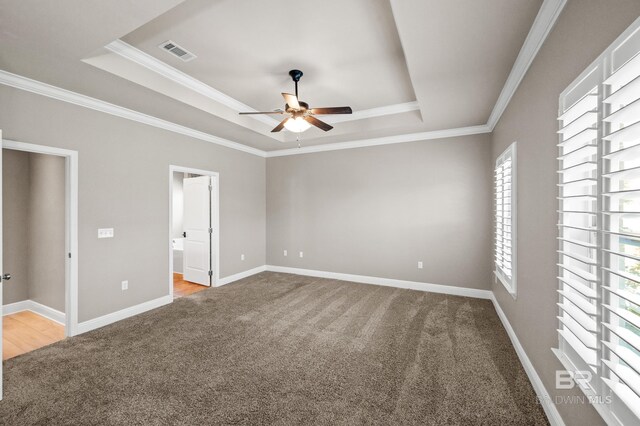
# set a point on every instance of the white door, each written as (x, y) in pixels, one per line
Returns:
(198, 229)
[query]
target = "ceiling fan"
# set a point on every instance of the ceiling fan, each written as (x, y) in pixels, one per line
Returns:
(300, 116)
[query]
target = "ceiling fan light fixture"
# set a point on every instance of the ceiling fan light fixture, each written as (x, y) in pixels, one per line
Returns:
(297, 125)
(298, 116)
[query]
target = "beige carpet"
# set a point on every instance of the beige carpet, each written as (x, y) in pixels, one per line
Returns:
(282, 349)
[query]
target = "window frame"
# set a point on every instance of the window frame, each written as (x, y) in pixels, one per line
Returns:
(510, 284)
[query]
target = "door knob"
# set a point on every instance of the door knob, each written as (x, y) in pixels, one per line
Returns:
(5, 277)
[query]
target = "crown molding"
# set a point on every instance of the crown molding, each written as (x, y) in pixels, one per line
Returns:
(544, 22)
(44, 89)
(147, 61)
(387, 140)
(373, 112)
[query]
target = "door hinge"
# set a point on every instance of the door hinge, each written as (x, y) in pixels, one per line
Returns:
(210, 273)
(211, 230)
(210, 187)
(69, 255)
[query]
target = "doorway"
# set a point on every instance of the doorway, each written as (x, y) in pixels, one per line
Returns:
(193, 230)
(38, 297)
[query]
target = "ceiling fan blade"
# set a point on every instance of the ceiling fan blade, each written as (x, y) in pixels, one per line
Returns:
(280, 126)
(291, 100)
(332, 110)
(319, 124)
(278, 111)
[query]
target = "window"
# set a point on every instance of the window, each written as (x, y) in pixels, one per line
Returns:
(505, 226)
(599, 229)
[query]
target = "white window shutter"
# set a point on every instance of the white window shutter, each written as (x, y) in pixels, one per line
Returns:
(577, 214)
(505, 218)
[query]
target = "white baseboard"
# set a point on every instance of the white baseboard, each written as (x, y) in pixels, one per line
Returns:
(47, 312)
(38, 308)
(241, 275)
(15, 307)
(413, 285)
(363, 279)
(547, 404)
(107, 319)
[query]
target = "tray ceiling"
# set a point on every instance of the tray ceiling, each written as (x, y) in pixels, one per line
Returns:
(404, 66)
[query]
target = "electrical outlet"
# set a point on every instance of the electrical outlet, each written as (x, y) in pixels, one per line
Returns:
(242, 257)
(125, 285)
(105, 233)
(420, 265)
(301, 254)
(285, 252)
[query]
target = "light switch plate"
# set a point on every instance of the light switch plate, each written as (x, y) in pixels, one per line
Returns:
(420, 265)
(105, 233)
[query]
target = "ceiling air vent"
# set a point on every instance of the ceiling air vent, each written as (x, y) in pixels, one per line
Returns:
(178, 51)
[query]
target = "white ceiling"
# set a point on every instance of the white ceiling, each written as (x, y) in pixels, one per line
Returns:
(404, 66)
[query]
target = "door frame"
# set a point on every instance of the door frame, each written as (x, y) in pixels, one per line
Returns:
(71, 225)
(215, 220)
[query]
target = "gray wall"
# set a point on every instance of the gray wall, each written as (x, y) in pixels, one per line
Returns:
(15, 192)
(580, 35)
(124, 184)
(46, 232)
(377, 211)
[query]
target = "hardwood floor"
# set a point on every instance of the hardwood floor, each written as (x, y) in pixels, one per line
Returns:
(183, 288)
(26, 331)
